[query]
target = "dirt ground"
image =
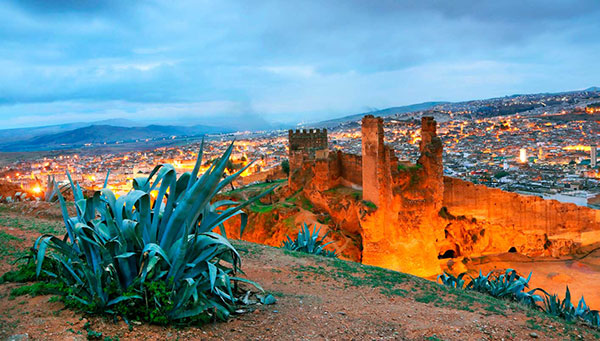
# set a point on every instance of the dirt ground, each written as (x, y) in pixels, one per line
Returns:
(317, 299)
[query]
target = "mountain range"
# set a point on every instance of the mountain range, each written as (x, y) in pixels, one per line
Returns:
(383, 113)
(79, 134)
(76, 135)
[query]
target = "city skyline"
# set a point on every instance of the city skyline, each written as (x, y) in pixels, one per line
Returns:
(281, 63)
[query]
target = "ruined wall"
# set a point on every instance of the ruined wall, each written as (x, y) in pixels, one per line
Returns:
(535, 225)
(372, 156)
(270, 174)
(402, 233)
(350, 168)
(296, 159)
(411, 215)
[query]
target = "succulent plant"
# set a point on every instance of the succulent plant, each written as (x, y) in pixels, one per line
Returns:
(554, 306)
(450, 281)
(479, 283)
(309, 242)
(115, 248)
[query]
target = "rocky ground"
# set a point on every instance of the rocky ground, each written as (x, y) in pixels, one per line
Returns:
(318, 299)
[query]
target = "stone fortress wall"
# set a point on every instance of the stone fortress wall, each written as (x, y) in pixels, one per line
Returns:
(539, 226)
(420, 214)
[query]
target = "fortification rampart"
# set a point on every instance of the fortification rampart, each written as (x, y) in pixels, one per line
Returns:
(350, 168)
(538, 219)
(312, 139)
(401, 217)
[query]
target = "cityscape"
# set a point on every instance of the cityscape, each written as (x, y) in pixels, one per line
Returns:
(299, 170)
(549, 150)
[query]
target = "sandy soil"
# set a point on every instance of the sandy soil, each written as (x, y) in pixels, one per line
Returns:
(318, 299)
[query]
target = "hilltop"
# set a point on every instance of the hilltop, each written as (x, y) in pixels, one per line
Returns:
(318, 298)
(103, 134)
(383, 113)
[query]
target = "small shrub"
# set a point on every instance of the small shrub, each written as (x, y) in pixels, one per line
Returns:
(445, 214)
(309, 242)
(451, 281)
(369, 204)
(39, 288)
(285, 166)
(509, 285)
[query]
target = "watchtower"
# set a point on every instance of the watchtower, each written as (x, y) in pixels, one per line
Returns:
(307, 140)
(373, 150)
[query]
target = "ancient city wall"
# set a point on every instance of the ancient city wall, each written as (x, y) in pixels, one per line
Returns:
(351, 168)
(524, 213)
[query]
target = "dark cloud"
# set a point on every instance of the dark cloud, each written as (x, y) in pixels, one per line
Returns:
(286, 60)
(46, 7)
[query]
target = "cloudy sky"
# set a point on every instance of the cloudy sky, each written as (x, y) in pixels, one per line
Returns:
(173, 61)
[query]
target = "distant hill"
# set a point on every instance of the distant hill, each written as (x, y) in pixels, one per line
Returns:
(382, 113)
(100, 134)
(593, 89)
(21, 134)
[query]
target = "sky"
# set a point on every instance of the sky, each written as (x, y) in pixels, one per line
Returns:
(281, 62)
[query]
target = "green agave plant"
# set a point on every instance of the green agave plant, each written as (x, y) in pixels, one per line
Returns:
(451, 281)
(512, 286)
(554, 306)
(479, 283)
(507, 285)
(309, 242)
(117, 249)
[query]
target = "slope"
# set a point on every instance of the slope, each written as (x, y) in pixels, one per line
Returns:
(318, 298)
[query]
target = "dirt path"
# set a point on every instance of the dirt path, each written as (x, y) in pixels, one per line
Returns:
(318, 299)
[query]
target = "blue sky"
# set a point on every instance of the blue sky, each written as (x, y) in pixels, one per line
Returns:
(213, 62)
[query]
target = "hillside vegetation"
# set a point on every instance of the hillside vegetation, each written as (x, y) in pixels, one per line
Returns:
(318, 298)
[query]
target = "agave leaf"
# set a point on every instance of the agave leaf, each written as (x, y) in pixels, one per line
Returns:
(196, 169)
(268, 299)
(245, 280)
(230, 178)
(196, 310)
(125, 255)
(41, 254)
(123, 298)
(212, 274)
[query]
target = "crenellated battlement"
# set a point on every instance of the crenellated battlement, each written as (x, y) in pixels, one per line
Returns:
(307, 140)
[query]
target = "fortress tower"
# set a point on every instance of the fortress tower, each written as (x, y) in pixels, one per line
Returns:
(373, 150)
(307, 140)
(428, 131)
(305, 145)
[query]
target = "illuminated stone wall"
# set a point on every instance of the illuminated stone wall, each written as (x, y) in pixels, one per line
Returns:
(402, 233)
(538, 226)
(372, 157)
(412, 214)
(350, 168)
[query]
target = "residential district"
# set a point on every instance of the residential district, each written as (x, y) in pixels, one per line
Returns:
(544, 145)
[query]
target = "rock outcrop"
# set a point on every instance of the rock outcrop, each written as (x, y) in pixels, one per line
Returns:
(529, 224)
(411, 218)
(402, 233)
